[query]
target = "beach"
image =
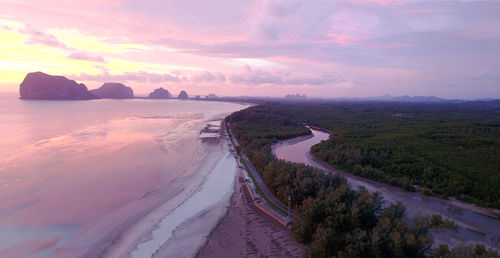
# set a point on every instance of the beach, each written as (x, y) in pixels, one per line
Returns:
(246, 232)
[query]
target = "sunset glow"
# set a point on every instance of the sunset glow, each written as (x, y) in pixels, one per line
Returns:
(258, 48)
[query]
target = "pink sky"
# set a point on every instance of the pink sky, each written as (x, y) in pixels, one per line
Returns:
(319, 48)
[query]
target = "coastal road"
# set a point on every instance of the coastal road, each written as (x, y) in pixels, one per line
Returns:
(259, 180)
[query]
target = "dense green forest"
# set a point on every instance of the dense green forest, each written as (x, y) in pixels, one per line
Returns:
(448, 149)
(334, 220)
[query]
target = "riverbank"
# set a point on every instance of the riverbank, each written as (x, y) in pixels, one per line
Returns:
(471, 219)
(312, 160)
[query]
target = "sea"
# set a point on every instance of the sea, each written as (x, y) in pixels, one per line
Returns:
(110, 178)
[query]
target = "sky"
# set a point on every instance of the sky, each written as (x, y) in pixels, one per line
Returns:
(329, 49)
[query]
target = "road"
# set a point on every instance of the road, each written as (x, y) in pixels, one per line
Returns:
(258, 178)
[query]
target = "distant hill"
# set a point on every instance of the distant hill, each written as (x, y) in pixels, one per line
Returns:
(112, 90)
(406, 98)
(160, 93)
(41, 86)
(296, 96)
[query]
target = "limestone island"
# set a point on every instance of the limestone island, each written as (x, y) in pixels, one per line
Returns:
(113, 90)
(160, 93)
(40, 86)
(182, 95)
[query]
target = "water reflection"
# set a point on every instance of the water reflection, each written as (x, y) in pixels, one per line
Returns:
(74, 174)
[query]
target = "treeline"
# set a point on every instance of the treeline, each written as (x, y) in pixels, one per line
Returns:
(445, 149)
(335, 220)
(436, 221)
(473, 251)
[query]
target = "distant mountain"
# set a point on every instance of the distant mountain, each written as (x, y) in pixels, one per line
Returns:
(296, 96)
(160, 93)
(39, 85)
(182, 95)
(113, 90)
(405, 98)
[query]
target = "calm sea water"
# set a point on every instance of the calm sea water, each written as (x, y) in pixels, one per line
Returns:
(74, 174)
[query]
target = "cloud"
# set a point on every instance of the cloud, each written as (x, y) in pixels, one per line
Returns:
(249, 77)
(147, 77)
(209, 77)
(85, 56)
(37, 37)
(408, 45)
(255, 77)
(102, 68)
(312, 80)
(141, 76)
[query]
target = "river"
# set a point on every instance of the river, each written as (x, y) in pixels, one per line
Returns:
(474, 227)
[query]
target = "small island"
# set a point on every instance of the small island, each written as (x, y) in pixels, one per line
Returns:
(211, 96)
(160, 93)
(113, 90)
(183, 95)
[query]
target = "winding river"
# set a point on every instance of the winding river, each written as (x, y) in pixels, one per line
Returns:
(474, 226)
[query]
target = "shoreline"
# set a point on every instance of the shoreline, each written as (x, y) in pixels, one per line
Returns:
(140, 230)
(194, 230)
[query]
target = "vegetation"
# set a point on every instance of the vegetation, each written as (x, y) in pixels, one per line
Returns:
(477, 251)
(335, 220)
(436, 221)
(445, 149)
(450, 150)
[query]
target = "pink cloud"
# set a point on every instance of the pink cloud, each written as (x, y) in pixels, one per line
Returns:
(312, 42)
(87, 57)
(209, 77)
(40, 38)
(249, 76)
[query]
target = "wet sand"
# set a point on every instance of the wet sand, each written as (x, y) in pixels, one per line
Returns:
(245, 232)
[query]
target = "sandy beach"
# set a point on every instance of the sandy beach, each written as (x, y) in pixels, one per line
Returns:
(245, 232)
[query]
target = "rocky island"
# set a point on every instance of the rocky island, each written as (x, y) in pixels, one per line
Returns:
(160, 93)
(113, 90)
(211, 96)
(40, 86)
(183, 95)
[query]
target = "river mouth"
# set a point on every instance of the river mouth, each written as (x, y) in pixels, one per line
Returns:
(475, 227)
